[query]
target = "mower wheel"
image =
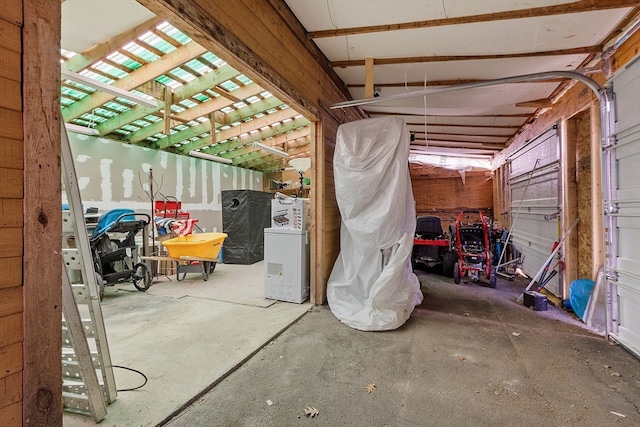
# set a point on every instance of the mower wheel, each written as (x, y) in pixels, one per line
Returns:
(456, 273)
(492, 277)
(448, 263)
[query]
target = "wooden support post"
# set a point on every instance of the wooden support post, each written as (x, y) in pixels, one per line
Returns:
(212, 131)
(597, 256)
(368, 77)
(168, 100)
(569, 204)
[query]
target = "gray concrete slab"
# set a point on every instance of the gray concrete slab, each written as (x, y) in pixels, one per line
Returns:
(469, 356)
(184, 336)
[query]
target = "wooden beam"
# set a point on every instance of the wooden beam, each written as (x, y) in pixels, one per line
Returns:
(42, 345)
(538, 103)
(560, 9)
(99, 51)
(137, 78)
(166, 111)
(199, 85)
(232, 141)
(452, 82)
(252, 125)
(447, 58)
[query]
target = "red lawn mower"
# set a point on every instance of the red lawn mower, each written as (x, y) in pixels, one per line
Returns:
(471, 243)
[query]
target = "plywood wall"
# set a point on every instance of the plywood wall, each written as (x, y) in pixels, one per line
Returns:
(444, 194)
(11, 195)
(583, 180)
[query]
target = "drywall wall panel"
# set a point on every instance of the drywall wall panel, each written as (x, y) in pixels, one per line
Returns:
(115, 175)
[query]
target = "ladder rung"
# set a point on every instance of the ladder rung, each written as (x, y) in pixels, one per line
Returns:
(76, 403)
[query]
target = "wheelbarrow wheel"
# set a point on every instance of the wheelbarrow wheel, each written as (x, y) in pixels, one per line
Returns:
(141, 276)
(208, 267)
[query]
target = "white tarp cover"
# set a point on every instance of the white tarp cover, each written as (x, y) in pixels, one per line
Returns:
(372, 286)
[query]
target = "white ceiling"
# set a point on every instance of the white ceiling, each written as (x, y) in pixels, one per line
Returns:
(88, 22)
(484, 49)
(500, 38)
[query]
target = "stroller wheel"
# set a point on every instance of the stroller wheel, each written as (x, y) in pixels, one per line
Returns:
(99, 285)
(141, 276)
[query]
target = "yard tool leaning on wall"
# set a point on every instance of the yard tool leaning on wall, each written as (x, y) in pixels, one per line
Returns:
(372, 286)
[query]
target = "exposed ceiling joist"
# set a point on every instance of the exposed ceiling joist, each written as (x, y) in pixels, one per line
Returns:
(560, 9)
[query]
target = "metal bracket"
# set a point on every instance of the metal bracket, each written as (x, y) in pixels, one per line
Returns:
(611, 208)
(612, 277)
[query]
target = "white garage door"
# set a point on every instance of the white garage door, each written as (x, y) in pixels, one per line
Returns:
(534, 202)
(622, 210)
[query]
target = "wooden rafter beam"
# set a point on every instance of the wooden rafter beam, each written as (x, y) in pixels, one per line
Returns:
(251, 126)
(232, 141)
(192, 88)
(101, 50)
(445, 83)
(519, 115)
(464, 125)
(560, 9)
(278, 141)
(587, 50)
(137, 78)
(537, 103)
(458, 134)
(238, 115)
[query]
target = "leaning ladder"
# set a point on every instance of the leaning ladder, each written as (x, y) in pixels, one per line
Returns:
(87, 373)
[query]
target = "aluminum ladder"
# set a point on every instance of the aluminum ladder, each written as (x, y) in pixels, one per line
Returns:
(87, 374)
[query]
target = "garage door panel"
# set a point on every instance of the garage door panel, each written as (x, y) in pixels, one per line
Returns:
(535, 221)
(622, 195)
(627, 88)
(628, 303)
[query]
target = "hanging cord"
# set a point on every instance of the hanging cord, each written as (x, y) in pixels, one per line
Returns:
(132, 370)
(426, 138)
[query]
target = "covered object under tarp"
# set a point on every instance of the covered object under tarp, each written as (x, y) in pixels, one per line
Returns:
(372, 286)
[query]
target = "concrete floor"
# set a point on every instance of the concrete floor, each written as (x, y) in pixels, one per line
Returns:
(184, 336)
(469, 356)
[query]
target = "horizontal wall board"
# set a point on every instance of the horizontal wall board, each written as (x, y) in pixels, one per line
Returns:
(11, 11)
(10, 301)
(11, 155)
(11, 362)
(11, 415)
(11, 98)
(11, 331)
(11, 180)
(10, 391)
(10, 124)
(11, 239)
(10, 35)
(10, 64)
(10, 214)
(11, 272)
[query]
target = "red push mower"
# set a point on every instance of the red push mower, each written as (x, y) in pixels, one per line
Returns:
(471, 243)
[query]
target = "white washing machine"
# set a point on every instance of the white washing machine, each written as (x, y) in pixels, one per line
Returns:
(286, 264)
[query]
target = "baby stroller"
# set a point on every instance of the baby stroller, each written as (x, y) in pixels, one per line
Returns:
(112, 247)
